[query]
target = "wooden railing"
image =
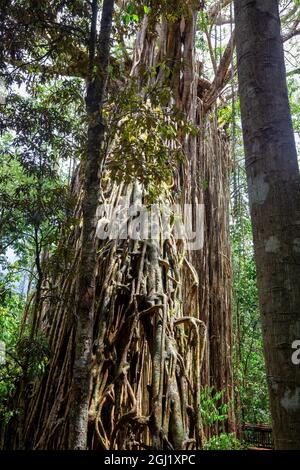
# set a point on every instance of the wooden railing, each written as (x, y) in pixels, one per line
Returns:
(258, 435)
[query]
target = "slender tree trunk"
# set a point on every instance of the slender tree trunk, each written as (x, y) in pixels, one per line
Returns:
(87, 266)
(274, 194)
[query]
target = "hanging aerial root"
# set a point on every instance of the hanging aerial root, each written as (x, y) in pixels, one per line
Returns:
(147, 355)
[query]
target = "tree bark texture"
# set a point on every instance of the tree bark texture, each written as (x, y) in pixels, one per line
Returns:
(162, 315)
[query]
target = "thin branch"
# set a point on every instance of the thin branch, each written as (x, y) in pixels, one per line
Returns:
(222, 76)
(290, 35)
(293, 72)
(217, 7)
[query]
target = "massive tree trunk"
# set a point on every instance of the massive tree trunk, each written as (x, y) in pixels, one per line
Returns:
(274, 195)
(162, 317)
(84, 314)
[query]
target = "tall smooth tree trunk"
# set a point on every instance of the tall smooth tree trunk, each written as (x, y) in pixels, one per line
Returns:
(274, 194)
(87, 265)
